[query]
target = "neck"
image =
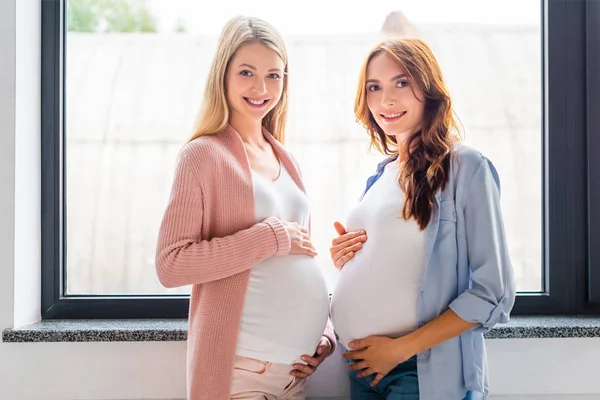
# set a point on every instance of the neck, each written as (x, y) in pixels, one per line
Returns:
(402, 150)
(402, 141)
(249, 130)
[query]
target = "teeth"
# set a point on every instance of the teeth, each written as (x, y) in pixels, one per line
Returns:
(257, 102)
(393, 115)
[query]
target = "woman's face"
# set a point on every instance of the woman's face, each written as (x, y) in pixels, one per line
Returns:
(396, 103)
(254, 81)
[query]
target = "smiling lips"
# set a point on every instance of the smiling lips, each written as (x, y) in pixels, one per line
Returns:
(393, 117)
(256, 103)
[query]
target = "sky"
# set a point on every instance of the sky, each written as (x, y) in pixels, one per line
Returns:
(333, 16)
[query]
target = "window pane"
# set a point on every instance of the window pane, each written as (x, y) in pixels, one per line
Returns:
(135, 74)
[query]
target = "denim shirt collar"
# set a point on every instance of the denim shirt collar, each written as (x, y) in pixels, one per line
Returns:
(380, 168)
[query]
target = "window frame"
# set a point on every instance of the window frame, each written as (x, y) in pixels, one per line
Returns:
(593, 148)
(571, 175)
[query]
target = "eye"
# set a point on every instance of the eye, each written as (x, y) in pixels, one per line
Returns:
(402, 84)
(274, 76)
(246, 73)
(373, 88)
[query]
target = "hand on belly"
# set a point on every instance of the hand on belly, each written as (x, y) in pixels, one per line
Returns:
(344, 247)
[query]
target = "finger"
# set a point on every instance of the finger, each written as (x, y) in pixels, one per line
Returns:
(312, 361)
(309, 251)
(347, 236)
(366, 372)
(305, 237)
(298, 374)
(305, 369)
(306, 242)
(345, 250)
(377, 379)
(358, 240)
(355, 246)
(349, 245)
(353, 355)
(359, 343)
(358, 365)
(339, 227)
(324, 347)
(339, 264)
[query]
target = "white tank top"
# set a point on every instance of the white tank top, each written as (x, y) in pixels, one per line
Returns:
(287, 305)
(378, 289)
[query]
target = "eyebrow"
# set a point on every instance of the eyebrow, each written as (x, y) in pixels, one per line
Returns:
(393, 79)
(254, 68)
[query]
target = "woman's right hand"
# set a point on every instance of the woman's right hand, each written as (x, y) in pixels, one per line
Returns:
(300, 239)
(346, 245)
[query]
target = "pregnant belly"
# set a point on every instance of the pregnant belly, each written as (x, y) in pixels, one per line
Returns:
(372, 299)
(287, 305)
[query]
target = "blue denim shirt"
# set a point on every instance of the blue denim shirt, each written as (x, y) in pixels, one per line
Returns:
(468, 270)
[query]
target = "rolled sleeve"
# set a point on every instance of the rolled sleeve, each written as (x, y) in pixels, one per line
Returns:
(491, 293)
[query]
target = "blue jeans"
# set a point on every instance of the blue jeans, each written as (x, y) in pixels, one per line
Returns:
(401, 383)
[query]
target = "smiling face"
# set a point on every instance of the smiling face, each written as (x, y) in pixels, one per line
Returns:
(254, 82)
(395, 102)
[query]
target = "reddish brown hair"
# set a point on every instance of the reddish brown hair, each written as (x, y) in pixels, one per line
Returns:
(428, 160)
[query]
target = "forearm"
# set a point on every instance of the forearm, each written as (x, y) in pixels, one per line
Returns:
(184, 263)
(439, 330)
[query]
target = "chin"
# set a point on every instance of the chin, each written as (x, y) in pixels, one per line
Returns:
(254, 115)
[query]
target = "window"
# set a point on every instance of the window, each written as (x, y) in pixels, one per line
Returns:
(122, 81)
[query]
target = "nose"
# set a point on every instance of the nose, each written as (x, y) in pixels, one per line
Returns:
(388, 99)
(260, 87)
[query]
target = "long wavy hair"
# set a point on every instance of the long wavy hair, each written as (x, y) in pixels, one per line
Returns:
(214, 114)
(427, 165)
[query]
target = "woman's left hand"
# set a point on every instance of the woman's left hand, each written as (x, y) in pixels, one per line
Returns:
(378, 355)
(321, 353)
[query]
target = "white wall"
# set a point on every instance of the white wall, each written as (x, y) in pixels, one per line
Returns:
(27, 163)
(61, 371)
(155, 370)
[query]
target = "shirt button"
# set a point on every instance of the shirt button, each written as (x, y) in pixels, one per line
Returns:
(422, 293)
(422, 357)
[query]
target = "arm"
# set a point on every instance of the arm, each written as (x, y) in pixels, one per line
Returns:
(182, 258)
(491, 295)
(439, 330)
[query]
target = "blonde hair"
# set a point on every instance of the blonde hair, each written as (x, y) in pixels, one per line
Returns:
(214, 114)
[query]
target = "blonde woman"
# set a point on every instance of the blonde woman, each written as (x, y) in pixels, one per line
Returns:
(236, 228)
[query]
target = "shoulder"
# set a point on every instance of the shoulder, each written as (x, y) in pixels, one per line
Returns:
(204, 146)
(472, 167)
(467, 157)
(207, 154)
(216, 147)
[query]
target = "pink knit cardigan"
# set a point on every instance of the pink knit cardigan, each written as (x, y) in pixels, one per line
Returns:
(209, 239)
